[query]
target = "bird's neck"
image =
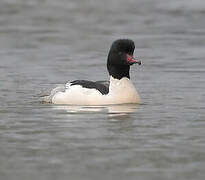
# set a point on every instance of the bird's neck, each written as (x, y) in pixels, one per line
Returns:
(119, 71)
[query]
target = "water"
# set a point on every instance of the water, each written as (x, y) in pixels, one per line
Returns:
(45, 43)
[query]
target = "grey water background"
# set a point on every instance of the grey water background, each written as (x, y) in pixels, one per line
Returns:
(48, 42)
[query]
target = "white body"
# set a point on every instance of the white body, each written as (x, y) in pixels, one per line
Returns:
(120, 92)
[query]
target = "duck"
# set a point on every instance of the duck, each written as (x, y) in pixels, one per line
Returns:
(118, 90)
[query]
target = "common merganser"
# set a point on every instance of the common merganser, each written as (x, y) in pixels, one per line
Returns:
(119, 90)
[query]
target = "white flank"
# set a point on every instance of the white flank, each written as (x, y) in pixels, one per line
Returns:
(120, 92)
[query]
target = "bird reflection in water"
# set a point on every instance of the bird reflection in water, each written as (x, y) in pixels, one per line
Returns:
(113, 111)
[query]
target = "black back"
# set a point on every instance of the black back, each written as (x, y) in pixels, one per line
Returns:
(102, 86)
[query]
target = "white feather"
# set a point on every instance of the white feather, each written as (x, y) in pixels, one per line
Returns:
(120, 92)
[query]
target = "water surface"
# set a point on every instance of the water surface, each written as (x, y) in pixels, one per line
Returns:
(45, 43)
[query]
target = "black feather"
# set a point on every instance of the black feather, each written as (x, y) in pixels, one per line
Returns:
(102, 86)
